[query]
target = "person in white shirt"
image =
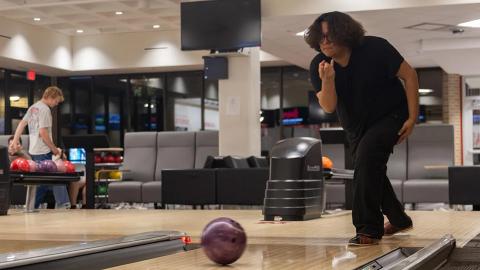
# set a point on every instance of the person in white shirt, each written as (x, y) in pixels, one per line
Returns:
(39, 121)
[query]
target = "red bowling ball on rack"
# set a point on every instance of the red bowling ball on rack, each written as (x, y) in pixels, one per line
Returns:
(20, 164)
(69, 167)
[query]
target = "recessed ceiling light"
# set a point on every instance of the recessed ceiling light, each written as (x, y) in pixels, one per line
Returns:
(118, 12)
(156, 26)
(36, 19)
(474, 23)
(79, 31)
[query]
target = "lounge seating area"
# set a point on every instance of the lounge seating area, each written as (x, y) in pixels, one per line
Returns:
(184, 168)
(179, 168)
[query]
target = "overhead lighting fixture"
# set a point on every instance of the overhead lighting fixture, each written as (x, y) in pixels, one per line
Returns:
(145, 105)
(474, 23)
(79, 31)
(156, 26)
(118, 12)
(36, 19)
(425, 91)
(14, 98)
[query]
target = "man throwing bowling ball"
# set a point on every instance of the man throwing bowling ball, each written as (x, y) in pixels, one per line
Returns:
(358, 77)
(39, 121)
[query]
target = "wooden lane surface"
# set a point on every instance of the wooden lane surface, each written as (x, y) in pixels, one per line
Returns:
(270, 256)
(321, 238)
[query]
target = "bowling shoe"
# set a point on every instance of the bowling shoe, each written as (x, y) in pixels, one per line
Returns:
(363, 240)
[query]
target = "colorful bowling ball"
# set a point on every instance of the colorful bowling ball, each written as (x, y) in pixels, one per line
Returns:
(98, 159)
(14, 165)
(33, 165)
(48, 166)
(116, 175)
(223, 240)
(118, 159)
(70, 168)
(327, 163)
(108, 159)
(20, 164)
(60, 166)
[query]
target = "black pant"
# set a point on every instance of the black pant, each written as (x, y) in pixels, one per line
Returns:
(373, 193)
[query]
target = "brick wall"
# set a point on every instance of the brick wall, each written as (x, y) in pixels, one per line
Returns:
(452, 109)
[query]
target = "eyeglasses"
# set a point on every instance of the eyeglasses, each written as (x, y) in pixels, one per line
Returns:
(325, 38)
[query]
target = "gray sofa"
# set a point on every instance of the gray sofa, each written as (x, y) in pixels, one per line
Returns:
(413, 182)
(148, 153)
(396, 171)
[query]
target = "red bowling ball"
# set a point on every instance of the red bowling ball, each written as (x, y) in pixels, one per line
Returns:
(118, 159)
(108, 159)
(223, 240)
(20, 164)
(69, 167)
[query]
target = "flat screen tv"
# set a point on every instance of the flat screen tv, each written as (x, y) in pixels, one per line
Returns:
(77, 155)
(220, 25)
(316, 115)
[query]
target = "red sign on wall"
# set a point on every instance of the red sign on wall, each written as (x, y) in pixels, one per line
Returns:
(31, 75)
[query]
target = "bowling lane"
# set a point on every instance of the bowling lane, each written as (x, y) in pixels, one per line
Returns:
(271, 256)
(270, 244)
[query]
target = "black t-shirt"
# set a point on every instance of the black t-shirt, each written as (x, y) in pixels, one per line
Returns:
(368, 87)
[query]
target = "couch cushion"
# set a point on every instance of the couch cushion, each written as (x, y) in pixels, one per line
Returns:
(397, 185)
(152, 192)
(430, 145)
(140, 156)
(175, 150)
(397, 163)
(425, 191)
(335, 193)
(206, 144)
(125, 191)
(236, 162)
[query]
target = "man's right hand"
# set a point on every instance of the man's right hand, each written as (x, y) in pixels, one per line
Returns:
(56, 151)
(326, 70)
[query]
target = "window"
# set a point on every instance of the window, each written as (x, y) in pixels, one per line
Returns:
(183, 108)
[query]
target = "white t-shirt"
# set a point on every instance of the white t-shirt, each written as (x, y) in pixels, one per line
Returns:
(38, 116)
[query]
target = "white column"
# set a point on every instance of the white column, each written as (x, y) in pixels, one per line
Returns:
(239, 101)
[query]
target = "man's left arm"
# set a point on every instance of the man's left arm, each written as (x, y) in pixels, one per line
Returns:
(409, 76)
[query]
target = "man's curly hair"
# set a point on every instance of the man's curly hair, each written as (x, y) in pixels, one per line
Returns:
(342, 30)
